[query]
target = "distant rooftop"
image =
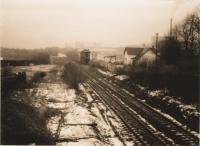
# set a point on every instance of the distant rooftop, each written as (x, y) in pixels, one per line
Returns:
(85, 50)
(133, 50)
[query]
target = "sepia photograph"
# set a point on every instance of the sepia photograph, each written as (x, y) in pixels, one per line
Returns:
(100, 72)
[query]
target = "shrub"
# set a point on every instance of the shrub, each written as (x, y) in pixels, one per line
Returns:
(73, 75)
(37, 76)
(168, 75)
(119, 71)
(170, 50)
(98, 64)
(143, 74)
(178, 83)
(22, 125)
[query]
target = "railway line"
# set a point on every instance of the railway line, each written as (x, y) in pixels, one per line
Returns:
(125, 106)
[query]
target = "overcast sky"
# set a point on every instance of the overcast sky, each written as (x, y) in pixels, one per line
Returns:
(41, 23)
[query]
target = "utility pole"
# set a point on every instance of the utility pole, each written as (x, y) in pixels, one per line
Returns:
(176, 31)
(171, 27)
(156, 41)
(156, 49)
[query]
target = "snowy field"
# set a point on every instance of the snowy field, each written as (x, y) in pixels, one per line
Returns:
(81, 119)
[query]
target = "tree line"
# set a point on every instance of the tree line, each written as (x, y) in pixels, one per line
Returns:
(38, 56)
(184, 40)
(177, 61)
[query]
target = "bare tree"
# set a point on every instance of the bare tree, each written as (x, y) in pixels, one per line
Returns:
(189, 32)
(197, 28)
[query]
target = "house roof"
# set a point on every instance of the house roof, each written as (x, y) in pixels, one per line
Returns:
(133, 50)
(85, 51)
(145, 51)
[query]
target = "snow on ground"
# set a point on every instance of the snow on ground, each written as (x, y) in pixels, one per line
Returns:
(75, 121)
(78, 115)
(121, 77)
(169, 100)
(109, 125)
(44, 68)
(77, 131)
(82, 142)
(161, 94)
(81, 120)
(178, 123)
(105, 73)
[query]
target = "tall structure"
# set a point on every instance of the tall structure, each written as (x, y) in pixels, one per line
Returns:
(156, 49)
(85, 56)
(171, 27)
(156, 40)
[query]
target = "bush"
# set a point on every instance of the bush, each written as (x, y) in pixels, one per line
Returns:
(119, 71)
(73, 75)
(168, 75)
(170, 50)
(171, 77)
(98, 64)
(22, 125)
(38, 76)
(146, 75)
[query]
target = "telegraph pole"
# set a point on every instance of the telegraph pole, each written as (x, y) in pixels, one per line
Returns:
(156, 49)
(171, 27)
(156, 41)
(176, 31)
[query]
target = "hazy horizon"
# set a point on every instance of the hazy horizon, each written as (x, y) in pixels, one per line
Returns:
(35, 24)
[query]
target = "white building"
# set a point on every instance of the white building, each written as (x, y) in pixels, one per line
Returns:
(148, 56)
(130, 54)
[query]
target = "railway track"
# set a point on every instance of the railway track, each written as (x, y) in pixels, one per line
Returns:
(124, 105)
(140, 133)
